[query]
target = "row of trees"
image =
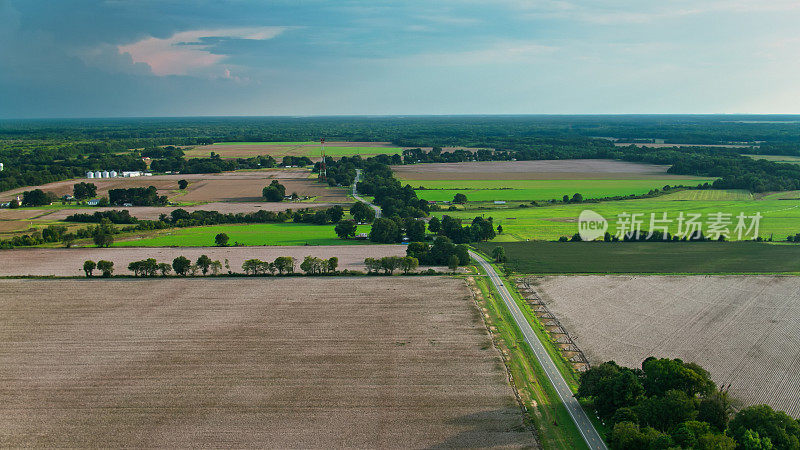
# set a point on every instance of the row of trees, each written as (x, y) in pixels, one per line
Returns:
(391, 263)
(672, 404)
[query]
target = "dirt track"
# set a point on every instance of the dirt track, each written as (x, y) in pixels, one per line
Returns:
(69, 261)
(744, 329)
(281, 363)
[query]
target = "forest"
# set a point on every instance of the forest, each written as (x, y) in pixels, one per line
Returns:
(40, 151)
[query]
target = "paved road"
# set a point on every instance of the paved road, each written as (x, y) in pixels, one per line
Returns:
(588, 431)
(359, 198)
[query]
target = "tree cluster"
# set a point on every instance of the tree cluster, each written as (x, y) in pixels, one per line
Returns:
(136, 196)
(672, 404)
(443, 252)
(388, 264)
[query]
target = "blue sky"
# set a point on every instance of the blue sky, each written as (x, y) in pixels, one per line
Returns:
(100, 58)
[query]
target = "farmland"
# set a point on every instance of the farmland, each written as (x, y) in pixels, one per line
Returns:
(64, 262)
(537, 180)
(242, 186)
(249, 234)
(744, 329)
(648, 257)
(230, 363)
(779, 217)
(280, 149)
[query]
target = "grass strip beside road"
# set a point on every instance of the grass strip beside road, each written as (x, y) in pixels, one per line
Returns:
(554, 425)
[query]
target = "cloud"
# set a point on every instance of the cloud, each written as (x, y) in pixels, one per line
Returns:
(187, 52)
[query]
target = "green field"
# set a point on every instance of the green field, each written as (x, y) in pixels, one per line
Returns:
(779, 217)
(708, 194)
(250, 234)
(309, 149)
(527, 190)
(648, 257)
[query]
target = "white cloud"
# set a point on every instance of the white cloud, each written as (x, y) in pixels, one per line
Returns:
(189, 51)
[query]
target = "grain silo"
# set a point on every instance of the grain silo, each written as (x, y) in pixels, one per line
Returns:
(105, 174)
(98, 174)
(90, 174)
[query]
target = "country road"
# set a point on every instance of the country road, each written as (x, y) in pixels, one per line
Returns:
(359, 198)
(588, 431)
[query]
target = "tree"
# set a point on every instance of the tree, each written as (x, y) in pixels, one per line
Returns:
(181, 265)
(389, 264)
(460, 198)
(36, 197)
(221, 240)
(362, 213)
(577, 198)
(216, 266)
(333, 264)
(499, 254)
(164, 268)
(373, 264)
(385, 231)
(334, 213)
(285, 264)
(345, 229)
(107, 267)
(499, 229)
(415, 230)
(83, 190)
(408, 264)
(452, 262)
(103, 238)
(662, 375)
(203, 262)
(781, 430)
(88, 267)
(68, 239)
(182, 184)
(434, 225)
(252, 266)
(275, 192)
(565, 199)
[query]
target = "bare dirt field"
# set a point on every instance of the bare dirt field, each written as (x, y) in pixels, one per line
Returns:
(240, 186)
(69, 261)
(572, 169)
(744, 329)
(279, 363)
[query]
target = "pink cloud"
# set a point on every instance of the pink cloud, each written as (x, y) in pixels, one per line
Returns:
(184, 53)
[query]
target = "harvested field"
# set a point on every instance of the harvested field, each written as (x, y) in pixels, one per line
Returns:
(280, 149)
(571, 169)
(69, 261)
(285, 363)
(153, 212)
(310, 149)
(241, 186)
(744, 329)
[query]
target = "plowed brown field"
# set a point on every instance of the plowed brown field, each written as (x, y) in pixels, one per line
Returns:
(69, 261)
(286, 363)
(571, 169)
(744, 329)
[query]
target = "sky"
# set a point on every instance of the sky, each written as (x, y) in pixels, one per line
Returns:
(133, 58)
